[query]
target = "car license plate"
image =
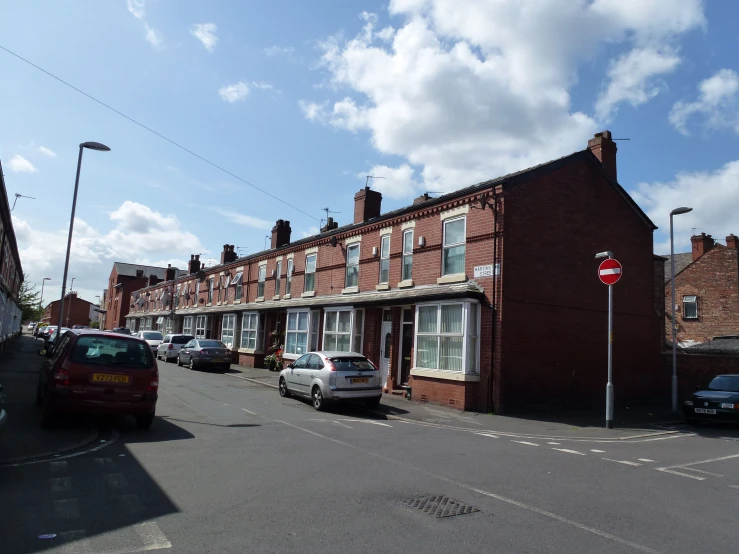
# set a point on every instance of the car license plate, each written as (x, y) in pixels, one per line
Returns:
(704, 411)
(106, 378)
(360, 380)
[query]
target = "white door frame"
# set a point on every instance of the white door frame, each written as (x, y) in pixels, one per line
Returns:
(387, 327)
(400, 343)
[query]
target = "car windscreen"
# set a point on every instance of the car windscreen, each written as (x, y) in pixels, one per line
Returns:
(152, 335)
(111, 351)
(184, 339)
(728, 383)
(211, 344)
(351, 363)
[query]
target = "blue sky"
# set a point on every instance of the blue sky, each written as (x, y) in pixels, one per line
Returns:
(303, 99)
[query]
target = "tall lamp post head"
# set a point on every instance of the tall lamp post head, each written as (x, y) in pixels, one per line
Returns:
(100, 147)
(606, 254)
(680, 211)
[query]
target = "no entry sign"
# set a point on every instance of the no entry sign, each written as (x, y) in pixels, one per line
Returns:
(610, 271)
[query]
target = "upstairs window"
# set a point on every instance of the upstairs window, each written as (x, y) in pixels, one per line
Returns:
(261, 276)
(454, 246)
(407, 255)
(211, 284)
(690, 307)
(289, 276)
(278, 273)
(352, 266)
(385, 259)
(310, 273)
(237, 283)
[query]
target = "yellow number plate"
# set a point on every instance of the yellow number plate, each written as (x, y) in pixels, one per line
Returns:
(106, 378)
(362, 380)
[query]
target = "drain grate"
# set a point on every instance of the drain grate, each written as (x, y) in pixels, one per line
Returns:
(439, 506)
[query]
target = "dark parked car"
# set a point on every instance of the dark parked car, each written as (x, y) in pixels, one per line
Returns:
(43, 331)
(199, 353)
(122, 330)
(100, 373)
(717, 402)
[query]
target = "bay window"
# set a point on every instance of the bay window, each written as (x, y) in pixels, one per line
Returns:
(301, 331)
(310, 273)
(454, 246)
(251, 331)
(342, 330)
(261, 276)
(407, 255)
(227, 333)
(385, 259)
(352, 266)
(202, 331)
(187, 325)
(278, 273)
(447, 336)
(289, 277)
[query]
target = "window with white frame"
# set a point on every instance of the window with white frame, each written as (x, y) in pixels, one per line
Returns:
(229, 327)
(169, 325)
(237, 283)
(352, 266)
(201, 327)
(296, 334)
(278, 273)
(407, 255)
(447, 336)
(289, 276)
(454, 246)
(309, 284)
(147, 324)
(385, 259)
(187, 325)
(342, 330)
(261, 276)
(160, 324)
(690, 307)
(196, 300)
(251, 331)
(211, 284)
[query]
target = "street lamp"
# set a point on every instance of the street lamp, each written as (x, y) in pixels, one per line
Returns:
(676, 211)
(91, 146)
(609, 385)
(71, 288)
(41, 300)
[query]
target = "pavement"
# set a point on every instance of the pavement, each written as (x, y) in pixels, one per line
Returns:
(229, 466)
(22, 438)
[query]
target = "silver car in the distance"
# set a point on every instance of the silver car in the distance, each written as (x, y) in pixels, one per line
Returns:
(327, 376)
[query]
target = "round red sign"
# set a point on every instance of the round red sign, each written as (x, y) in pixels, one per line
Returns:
(609, 271)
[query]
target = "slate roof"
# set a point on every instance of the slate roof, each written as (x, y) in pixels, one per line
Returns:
(682, 261)
(716, 346)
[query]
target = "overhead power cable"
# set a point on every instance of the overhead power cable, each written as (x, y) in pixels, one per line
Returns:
(160, 135)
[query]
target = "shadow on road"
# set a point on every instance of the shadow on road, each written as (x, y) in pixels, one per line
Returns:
(210, 424)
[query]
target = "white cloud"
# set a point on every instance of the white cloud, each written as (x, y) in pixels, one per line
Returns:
(139, 235)
(235, 92)
(153, 36)
(398, 182)
(277, 50)
(243, 219)
(309, 232)
(718, 103)
(713, 196)
(47, 151)
(470, 93)
(262, 85)
(633, 79)
(206, 34)
(19, 164)
(137, 8)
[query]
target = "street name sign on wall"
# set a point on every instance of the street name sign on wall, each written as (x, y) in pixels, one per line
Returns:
(485, 271)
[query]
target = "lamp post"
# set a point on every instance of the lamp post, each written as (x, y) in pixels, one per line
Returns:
(676, 211)
(91, 146)
(98, 316)
(71, 288)
(41, 300)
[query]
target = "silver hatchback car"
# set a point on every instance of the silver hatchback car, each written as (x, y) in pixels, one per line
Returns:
(327, 376)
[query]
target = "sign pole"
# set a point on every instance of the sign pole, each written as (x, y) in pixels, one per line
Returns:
(609, 385)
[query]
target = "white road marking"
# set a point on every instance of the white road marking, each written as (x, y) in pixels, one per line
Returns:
(569, 451)
(734, 486)
(58, 467)
(336, 422)
(673, 472)
(645, 460)
(709, 461)
(598, 451)
(488, 435)
(248, 412)
(375, 422)
(526, 442)
(701, 471)
(66, 509)
(152, 536)
(116, 481)
(501, 498)
(625, 462)
(552, 443)
(61, 484)
(225, 404)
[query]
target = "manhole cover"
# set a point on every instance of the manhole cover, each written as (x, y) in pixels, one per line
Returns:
(439, 506)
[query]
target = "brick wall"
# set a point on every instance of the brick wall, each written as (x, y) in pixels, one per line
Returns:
(714, 279)
(693, 370)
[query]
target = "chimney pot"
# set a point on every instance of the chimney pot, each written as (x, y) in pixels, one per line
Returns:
(367, 205)
(281, 233)
(421, 199)
(702, 244)
(732, 241)
(228, 255)
(604, 148)
(194, 265)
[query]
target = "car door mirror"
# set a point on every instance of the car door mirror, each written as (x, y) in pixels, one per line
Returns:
(290, 366)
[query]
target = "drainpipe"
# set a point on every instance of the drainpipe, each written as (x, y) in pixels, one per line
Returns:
(494, 307)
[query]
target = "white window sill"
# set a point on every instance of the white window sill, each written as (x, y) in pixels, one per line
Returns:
(209, 304)
(350, 290)
(249, 351)
(237, 301)
(382, 286)
(445, 375)
(453, 278)
(309, 294)
(405, 284)
(218, 303)
(287, 297)
(259, 299)
(276, 297)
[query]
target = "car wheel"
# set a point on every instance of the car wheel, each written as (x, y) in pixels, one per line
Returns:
(179, 361)
(318, 402)
(144, 421)
(284, 393)
(192, 364)
(373, 402)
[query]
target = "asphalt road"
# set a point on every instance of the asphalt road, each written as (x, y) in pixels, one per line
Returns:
(230, 467)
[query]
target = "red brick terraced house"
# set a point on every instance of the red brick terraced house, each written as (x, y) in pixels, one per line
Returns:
(706, 300)
(486, 298)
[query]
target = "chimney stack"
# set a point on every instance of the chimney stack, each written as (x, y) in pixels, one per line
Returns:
(604, 148)
(367, 204)
(731, 241)
(228, 255)
(280, 233)
(193, 266)
(171, 271)
(702, 244)
(421, 199)
(139, 273)
(330, 225)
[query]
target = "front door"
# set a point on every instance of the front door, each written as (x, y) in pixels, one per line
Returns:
(387, 340)
(405, 351)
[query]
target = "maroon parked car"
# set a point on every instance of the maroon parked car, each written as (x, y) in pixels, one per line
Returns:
(98, 372)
